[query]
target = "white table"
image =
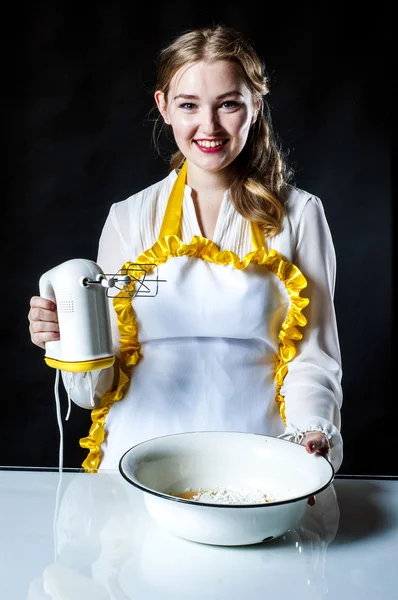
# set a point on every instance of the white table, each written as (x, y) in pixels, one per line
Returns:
(80, 536)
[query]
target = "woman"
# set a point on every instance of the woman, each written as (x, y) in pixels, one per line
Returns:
(242, 336)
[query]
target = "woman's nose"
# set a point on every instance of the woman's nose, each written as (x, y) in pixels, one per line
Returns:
(210, 122)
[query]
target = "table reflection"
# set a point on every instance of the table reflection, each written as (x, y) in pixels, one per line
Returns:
(107, 547)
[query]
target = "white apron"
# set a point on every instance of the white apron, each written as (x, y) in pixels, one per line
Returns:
(208, 352)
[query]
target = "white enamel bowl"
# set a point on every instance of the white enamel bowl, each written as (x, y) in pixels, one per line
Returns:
(216, 460)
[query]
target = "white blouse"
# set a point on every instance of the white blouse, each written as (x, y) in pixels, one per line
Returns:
(312, 387)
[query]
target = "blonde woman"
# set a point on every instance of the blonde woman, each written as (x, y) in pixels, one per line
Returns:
(243, 335)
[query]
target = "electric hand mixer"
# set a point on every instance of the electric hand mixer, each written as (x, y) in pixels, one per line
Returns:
(79, 288)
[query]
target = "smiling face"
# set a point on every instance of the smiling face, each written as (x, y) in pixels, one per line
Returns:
(210, 109)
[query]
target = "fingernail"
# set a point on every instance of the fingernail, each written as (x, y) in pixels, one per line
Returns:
(313, 446)
(53, 306)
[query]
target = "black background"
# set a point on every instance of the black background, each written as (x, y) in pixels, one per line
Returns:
(77, 94)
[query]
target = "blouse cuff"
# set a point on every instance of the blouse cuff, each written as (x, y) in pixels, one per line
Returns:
(86, 389)
(80, 387)
(295, 433)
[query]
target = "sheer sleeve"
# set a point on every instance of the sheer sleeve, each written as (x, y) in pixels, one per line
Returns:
(312, 387)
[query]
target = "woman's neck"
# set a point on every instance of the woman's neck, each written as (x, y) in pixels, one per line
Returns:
(207, 183)
(208, 190)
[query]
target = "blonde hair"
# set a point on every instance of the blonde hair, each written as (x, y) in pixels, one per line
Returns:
(260, 171)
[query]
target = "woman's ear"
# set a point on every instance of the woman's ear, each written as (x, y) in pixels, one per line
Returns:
(257, 107)
(162, 105)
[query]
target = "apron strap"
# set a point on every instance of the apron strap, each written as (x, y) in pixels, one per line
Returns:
(258, 240)
(171, 224)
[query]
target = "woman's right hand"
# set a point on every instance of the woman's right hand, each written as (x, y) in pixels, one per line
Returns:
(43, 321)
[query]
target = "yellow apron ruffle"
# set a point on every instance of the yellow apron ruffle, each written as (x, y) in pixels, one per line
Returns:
(169, 245)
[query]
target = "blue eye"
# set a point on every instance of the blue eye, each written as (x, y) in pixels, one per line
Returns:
(188, 105)
(229, 104)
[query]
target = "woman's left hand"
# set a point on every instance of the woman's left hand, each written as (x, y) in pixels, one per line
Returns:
(315, 441)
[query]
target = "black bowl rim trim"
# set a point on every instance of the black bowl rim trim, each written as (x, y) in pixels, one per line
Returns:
(185, 501)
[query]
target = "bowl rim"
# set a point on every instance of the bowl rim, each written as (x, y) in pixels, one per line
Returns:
(186, 501)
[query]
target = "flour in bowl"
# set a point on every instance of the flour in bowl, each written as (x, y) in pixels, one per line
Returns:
(225, 496)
